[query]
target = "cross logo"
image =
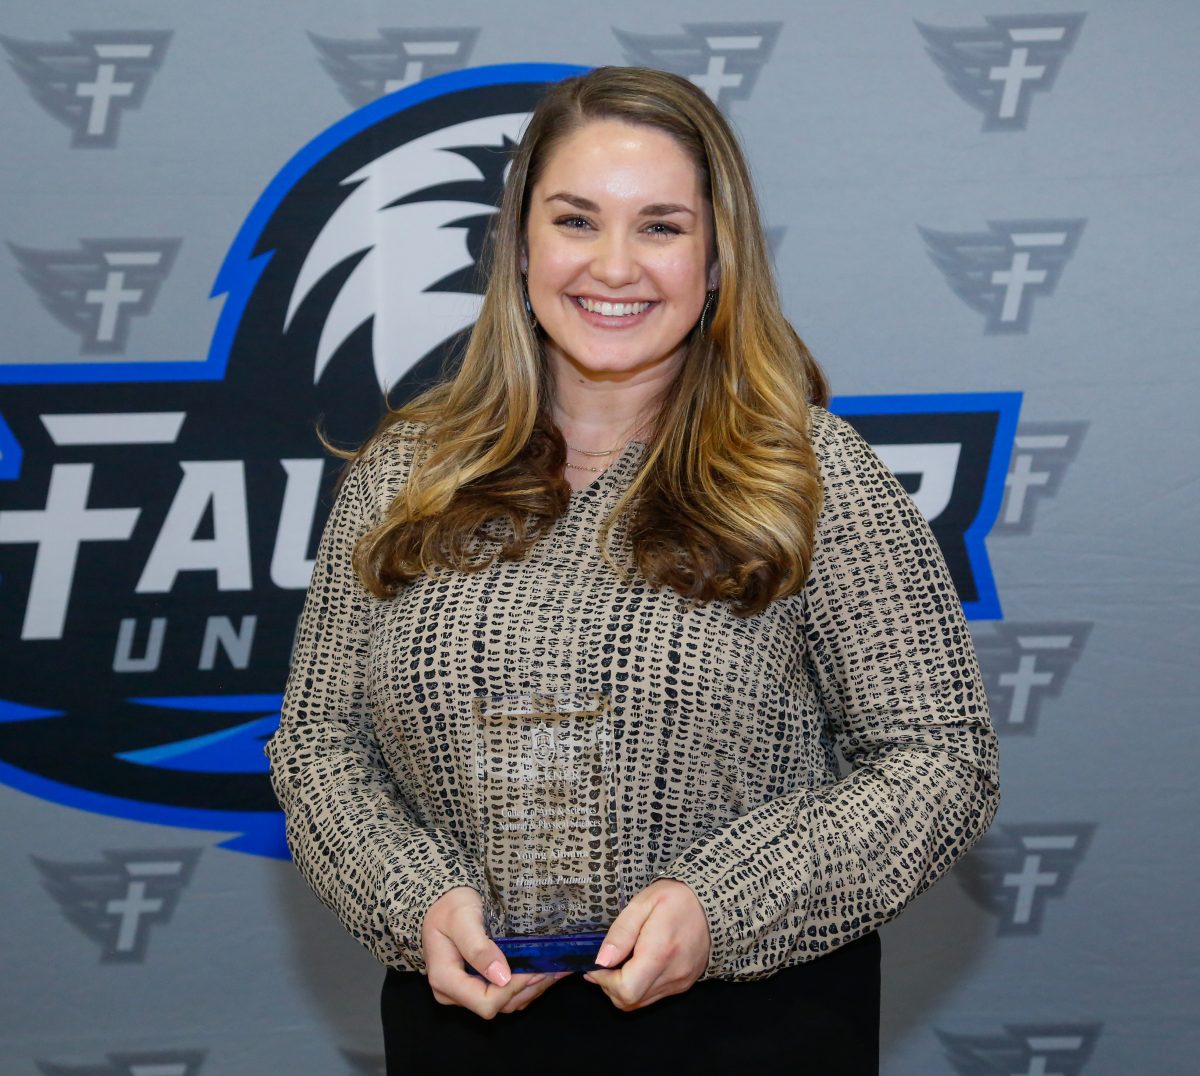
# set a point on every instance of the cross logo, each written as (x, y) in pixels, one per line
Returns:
(95, 292)
(1023, 664)
(722, 58)
(115, 902)
(144, 1063)
(1023, 1050)
(997, 70)
(1000, 271)
(1042, 452)
(1016, 869)
(87, 82)
(365, 70)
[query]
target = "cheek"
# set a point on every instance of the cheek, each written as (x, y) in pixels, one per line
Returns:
(685, 277)
(550, 267)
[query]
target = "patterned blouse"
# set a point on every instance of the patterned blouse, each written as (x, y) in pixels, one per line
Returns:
(726, 732)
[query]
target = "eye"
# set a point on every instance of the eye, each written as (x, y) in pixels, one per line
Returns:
(662, 228)
(573, 223)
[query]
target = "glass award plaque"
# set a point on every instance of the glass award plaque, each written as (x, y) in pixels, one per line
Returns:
(548, 825)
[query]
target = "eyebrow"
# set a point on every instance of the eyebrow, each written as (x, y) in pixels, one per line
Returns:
(655, 209)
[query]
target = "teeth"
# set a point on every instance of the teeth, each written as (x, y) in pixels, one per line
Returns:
(612, 310)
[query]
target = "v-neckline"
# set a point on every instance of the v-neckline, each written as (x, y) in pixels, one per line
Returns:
(604, 478)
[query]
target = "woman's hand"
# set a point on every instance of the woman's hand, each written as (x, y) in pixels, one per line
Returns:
(453, 932)
(665, 928)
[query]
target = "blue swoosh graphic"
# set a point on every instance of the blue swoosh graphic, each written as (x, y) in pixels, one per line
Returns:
(258, 833)
(235, 750)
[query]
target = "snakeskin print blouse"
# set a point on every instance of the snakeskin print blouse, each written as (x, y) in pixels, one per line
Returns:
(724, 729)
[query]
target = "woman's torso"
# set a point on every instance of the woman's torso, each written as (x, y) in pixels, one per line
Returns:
(711, 715)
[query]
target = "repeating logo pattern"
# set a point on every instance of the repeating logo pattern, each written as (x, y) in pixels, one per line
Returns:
(1042, 453)
(98, 290)
(1015, 870)
(1023, 1050)
(722, 58)
(1001, 271)
(115, 902)
(143, 1063)
(367, 69)
(89, 81)
(998, 69)
(1025, 664)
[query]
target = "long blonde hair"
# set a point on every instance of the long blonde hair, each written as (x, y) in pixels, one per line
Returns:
(726, 502)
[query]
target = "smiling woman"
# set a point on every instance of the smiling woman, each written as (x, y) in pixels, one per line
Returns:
(619, 257)
(586, 625)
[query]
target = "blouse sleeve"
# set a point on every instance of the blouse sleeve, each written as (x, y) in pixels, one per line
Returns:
(891, 661)
(357, 841)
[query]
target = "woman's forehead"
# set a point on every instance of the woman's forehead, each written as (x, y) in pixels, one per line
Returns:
(619, 159)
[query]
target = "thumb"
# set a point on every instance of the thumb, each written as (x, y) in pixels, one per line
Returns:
(477, 949)
(623, 934)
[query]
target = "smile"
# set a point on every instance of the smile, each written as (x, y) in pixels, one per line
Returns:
(612, 310)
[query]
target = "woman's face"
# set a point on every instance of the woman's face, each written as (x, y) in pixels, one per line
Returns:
(619, 241)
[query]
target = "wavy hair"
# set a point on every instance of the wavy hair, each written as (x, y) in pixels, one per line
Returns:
(725, 504)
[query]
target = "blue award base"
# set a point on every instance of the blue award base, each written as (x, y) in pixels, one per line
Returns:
(527, 953)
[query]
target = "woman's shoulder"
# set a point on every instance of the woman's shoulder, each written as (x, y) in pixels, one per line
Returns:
(389, 446)
(384, 463)
(850, 468)
(834, 441)
(857, 483)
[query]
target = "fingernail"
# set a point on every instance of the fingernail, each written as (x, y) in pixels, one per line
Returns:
(608, 953)
(495, 972)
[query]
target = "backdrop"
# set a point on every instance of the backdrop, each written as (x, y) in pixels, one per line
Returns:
(223, 221)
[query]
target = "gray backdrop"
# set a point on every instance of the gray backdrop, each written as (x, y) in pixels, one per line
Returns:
(965, 197)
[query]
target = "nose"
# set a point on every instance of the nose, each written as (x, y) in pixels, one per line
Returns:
(614, 263)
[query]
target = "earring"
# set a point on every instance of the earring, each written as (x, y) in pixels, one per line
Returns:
(528, 305)
(707, 306)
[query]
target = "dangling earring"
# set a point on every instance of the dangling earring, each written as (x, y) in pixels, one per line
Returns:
(707, 306)
(528, 305)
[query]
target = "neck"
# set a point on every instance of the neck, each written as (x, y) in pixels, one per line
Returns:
(608, 411)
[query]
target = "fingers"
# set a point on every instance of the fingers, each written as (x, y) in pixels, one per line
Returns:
(671, 951)
(449, 981)
(485, 956)
(462, 923)
(452, 934)
(619, 941)
(537, 985)
(638, 982)
(486, 1001)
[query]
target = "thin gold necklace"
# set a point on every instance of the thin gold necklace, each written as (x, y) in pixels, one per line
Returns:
(581, 467)
(590, 452)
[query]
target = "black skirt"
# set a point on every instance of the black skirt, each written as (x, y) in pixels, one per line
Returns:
(821, 1017)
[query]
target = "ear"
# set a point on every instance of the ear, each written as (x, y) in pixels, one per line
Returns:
(714, 275)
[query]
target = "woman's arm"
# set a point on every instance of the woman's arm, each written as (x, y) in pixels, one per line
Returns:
(361, 847)
(892, 662)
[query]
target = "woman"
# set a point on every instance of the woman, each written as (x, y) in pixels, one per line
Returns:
(630, 486)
